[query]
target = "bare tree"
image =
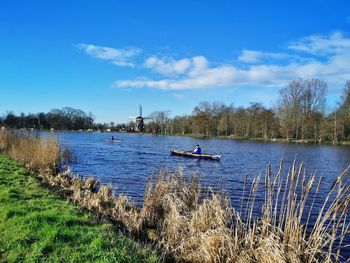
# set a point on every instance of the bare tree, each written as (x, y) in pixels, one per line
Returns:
(313, 105)
(290, 109)
(159, 122)
(301, 107)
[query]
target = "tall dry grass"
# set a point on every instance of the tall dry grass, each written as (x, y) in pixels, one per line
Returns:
(192, 224)
(37, 153)
(197, 226)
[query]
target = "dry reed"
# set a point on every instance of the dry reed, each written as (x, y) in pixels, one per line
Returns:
(34, 152)
(195, 225)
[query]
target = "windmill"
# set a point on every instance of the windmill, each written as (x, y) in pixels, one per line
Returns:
(139, 121)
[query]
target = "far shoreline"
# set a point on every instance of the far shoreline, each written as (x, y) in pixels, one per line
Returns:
(231, 137)
(203, 137)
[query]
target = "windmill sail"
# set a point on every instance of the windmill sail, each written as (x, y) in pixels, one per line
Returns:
(140, 108)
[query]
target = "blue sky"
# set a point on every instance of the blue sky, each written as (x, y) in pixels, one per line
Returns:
(109, 56)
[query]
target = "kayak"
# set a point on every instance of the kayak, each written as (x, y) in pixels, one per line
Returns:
(193, 155)
(109, 140)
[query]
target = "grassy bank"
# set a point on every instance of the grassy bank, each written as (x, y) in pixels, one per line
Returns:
(38, 226)
(193, 224)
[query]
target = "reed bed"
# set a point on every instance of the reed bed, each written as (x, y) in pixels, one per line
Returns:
(192, 224)
(34, 152)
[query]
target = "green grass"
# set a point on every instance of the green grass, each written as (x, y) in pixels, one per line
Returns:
(38, 226)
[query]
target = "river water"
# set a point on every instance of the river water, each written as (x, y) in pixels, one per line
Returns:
(127, 165)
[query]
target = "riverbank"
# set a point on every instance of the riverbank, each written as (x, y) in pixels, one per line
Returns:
(36, 225)
(227, 137)
(230, 137)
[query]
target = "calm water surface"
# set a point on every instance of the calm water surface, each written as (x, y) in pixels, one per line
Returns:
(128, 164)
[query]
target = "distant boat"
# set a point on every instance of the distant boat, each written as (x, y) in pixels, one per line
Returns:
(197, 156)
(110, 140)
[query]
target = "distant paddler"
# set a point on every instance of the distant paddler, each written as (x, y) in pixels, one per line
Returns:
(115, 139)
(112, 140)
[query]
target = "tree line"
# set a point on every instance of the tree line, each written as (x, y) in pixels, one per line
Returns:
(57, 119)
(300, 114)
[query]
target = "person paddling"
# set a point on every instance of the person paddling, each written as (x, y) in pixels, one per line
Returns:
(197, 150)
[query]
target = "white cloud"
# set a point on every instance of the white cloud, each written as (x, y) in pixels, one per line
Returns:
(175, 68)
(120, 57)
(322, 45)
(317, 56)
(204, 77)
(250, 56)
(168, 67)
(196, 74)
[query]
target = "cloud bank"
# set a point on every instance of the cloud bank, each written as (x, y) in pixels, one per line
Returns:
(317, 56)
